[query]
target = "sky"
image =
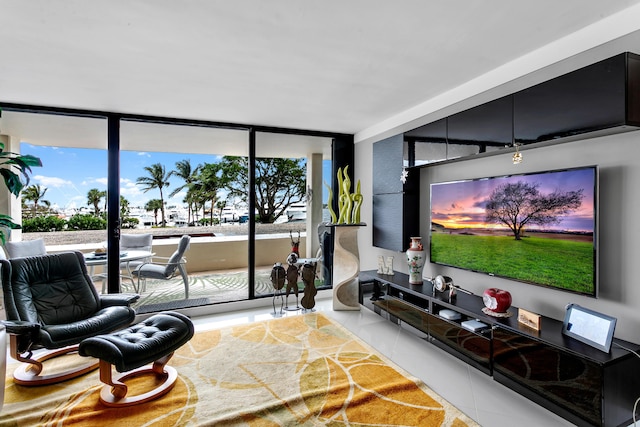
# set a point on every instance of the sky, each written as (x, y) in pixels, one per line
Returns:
(461, 204)
(69, 174)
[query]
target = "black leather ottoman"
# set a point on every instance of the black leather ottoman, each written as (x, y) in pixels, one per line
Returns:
(129, 350)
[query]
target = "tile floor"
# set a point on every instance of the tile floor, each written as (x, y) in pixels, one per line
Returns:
(476, 394)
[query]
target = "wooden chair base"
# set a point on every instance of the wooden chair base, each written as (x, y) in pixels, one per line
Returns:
(114, 393)
(29, 373)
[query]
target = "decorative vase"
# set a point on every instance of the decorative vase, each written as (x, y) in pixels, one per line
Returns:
(346, 267)
(415, 260)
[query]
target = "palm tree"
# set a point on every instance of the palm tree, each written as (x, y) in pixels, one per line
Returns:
(124, 207)
(154, 205)
(188, 174)
(209, 183)
(158, 178)
(93, 198)
(35, 193)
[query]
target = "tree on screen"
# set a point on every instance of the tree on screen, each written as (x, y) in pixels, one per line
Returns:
(519, 204)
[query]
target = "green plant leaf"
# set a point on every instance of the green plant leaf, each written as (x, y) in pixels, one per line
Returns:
(12, 181)
(7, 221)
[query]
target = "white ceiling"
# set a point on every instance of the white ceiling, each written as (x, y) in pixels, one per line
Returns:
(352, 66)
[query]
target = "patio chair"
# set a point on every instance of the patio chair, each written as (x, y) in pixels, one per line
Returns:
(25, 248)
(165, 268)
(134, 242)
(52, 304)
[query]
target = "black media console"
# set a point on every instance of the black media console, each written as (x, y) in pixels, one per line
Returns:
(580, 383)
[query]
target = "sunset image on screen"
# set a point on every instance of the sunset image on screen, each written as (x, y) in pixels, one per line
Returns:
(459, 205)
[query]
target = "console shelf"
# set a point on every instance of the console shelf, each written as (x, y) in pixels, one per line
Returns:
(580, 383)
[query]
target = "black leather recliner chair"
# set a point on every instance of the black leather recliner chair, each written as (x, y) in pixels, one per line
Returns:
(51, 303)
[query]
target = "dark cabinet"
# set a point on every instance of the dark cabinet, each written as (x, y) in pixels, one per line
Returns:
(395, 205)
(599, 96)
(473, 348)
(580, 383)
(603, 97)
(387, 165)
(482, 129)
(587, 387)
(427, 144)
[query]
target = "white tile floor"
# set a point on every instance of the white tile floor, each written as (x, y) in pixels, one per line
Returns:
(473, 392)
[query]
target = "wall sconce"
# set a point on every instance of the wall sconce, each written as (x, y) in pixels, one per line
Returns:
(517, 156)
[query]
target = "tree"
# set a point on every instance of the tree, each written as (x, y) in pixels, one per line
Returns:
(209, 182)
(124, 207)
(518, 204)
(154, 205)
(158, 178)
(278, 184)
(35, 193)
(93, 199)
(188, 174)
(220, 206)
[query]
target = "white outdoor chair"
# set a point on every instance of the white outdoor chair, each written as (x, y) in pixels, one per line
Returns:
(135, 242)
(164, 268)
(25, 248)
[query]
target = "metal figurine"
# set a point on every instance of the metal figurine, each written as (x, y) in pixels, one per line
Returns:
(277, 279)
(292, 279)
(310, 291)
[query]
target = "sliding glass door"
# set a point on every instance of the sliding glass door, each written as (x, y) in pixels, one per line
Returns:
(290, 204)
(177, 180)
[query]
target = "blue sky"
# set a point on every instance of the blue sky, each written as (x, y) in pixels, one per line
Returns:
(69, 173)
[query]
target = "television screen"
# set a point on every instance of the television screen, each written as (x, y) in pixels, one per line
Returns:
(537, 228)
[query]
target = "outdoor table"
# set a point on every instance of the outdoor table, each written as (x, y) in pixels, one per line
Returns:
(92, 260)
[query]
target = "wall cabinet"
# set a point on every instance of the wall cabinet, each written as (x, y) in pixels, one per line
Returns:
(582, 384)
(600, 96)
(427, 144)
(395, 205)
(603, 97)
(486, 127)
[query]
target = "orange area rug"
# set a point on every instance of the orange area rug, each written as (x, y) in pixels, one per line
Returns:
(295, 371)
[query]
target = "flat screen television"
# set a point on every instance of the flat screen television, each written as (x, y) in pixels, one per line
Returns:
(537, 228)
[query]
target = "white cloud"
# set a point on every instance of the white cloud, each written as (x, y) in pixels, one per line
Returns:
(51, 181)
(95, 182)
(129, 192)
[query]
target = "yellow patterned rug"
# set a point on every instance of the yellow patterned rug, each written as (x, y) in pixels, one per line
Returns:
(295, 371)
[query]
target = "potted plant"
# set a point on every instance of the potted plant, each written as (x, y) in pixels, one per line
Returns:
(15, 169)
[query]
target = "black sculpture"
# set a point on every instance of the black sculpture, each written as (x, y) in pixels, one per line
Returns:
(310, 291)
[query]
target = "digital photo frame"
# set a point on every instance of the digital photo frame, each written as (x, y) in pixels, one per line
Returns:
(590, 327)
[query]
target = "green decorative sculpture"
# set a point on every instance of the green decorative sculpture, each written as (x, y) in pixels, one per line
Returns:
(349, 204)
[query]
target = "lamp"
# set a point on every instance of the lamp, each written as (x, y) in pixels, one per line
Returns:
(517, 156)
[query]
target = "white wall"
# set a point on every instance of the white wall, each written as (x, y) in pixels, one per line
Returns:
(619, 233)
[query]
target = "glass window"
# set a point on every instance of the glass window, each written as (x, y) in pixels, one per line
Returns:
(176, 181)
(290, 204)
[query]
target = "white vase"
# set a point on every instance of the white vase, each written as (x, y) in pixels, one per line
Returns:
(415, 261)
(346, 267)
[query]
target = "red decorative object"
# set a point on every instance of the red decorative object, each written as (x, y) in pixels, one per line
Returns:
(496, 300)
